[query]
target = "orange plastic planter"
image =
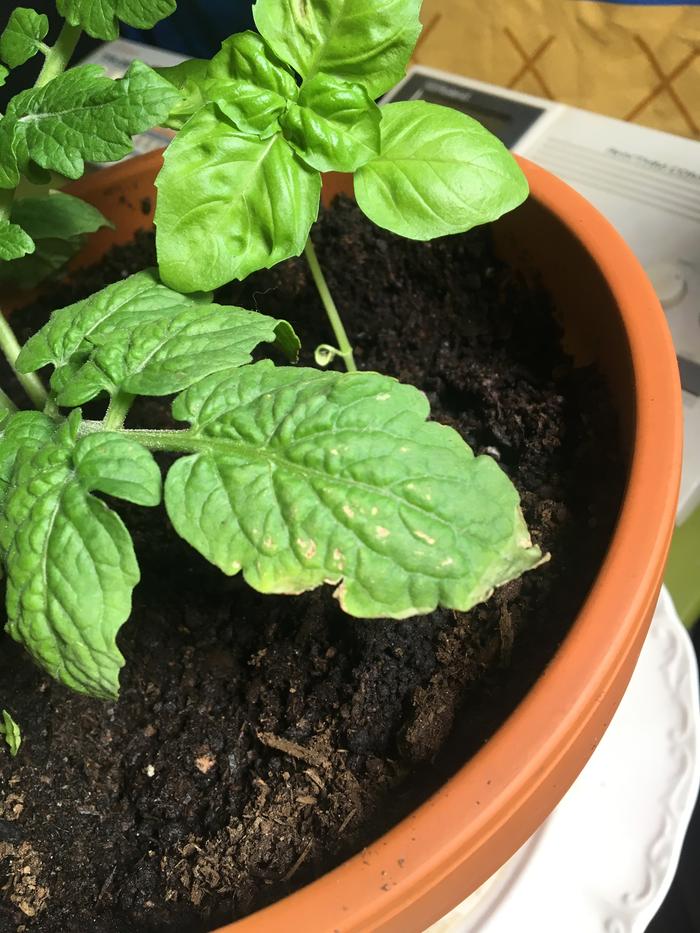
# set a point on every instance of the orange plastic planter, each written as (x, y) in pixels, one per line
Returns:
(452, 843)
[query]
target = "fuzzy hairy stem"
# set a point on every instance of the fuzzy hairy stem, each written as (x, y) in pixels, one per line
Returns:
(117, 410)
(58, 56)
(30, 382)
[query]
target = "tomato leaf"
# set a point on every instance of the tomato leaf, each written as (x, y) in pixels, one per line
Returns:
(70, 568)
(100, 18)
(81, 115)
(116, 465)
(125, 305)
(23, 36)
(439, 172)
(58, 225)
(14, 241)
(169, 353)
(303, 477)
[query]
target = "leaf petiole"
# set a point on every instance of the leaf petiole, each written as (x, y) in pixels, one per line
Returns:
(30, 382)
(333, 316)
(117, 410)
(58, 56)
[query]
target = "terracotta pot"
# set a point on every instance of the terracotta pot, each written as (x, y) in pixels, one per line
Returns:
(452, 843)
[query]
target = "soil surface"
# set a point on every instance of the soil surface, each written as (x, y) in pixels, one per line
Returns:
(260, 740)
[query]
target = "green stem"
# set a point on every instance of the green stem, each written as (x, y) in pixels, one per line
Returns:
(59, 55)
(30, 382)
(329, 305)
(117, 410)
(183, 441)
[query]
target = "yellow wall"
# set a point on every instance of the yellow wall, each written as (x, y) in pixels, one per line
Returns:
(600, 56)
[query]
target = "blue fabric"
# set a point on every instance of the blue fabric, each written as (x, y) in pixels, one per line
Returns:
(197, 27)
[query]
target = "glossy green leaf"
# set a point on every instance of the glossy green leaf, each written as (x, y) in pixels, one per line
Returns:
(169, 353)
(188, 77)
(439, 172)
(368, 42)
(245, 79)
(246, 57)
(123, 306)
(70, 568)
(58, 225)
(23, 36)
(249, 108)
(100, 18)
(114, 464)
(14, 242)
(3, 75)
(229, 204)
(82, 115)
(11, 733)
(334, 126)
(302, 477)
(191, 69)
(249, 84)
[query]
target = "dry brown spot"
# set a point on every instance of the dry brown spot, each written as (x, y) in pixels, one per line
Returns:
(11, 807)
(205, 762)
(21, 878)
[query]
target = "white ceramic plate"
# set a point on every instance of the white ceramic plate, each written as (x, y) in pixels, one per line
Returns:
(605, 858)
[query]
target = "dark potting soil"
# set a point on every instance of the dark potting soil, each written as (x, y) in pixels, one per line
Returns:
(260, 740)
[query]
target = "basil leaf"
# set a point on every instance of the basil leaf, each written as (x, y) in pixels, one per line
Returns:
(3, 74)
(368, 42)
(188, 77)
(192, 69)
(251, 109)
(58, 225)
(171, 352)
(83, 115)
(229, 204)
(100, 18)
(116, 465)
(249, 84)
(14, 242)
(335, 125)
(23, 35)
(305, 477)
(70, 567)
(246, 57)
(439, 172)
(122, 306)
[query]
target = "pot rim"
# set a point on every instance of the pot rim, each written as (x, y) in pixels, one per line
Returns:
(400, 881)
